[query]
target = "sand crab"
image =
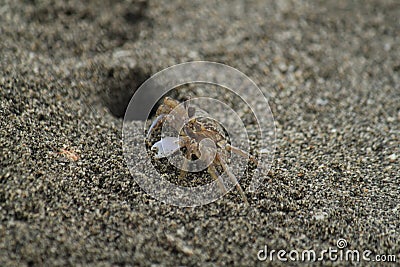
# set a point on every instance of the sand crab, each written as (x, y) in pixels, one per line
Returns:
(194, 137)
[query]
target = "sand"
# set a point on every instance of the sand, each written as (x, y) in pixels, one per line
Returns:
(67, 71)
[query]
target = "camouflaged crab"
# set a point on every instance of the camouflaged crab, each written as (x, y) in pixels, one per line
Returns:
(202, 139)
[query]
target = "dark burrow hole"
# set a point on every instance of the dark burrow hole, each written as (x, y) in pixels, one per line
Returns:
(120, 87)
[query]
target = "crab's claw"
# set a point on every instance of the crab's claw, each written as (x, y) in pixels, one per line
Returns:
(166, 147)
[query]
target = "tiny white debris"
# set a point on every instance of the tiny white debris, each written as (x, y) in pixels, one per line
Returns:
(282, 67)
(322, 102)
(123, 56)
(180, 245)
(397, 208)
(264, 151)
(392, 157)
(181, 231)
(391, 119)
(193, 54)
(121, 53)
(319, 216)
(163, 51)
(166, 146)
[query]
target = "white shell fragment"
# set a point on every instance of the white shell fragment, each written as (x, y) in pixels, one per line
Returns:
(166, 146)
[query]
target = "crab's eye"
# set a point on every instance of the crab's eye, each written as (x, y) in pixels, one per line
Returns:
(191, 111)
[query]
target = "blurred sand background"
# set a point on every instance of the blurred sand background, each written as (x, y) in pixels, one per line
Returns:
(68, 69)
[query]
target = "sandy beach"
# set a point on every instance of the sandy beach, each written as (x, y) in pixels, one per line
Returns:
(331, 71)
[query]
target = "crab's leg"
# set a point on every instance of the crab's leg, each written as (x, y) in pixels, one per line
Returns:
(241, 153)
(185, 165)
(232, 177)
(185, 142)
(183, 171)
(213, 172)
(155, 123)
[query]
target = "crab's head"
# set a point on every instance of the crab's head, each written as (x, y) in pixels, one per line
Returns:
(167, 106)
